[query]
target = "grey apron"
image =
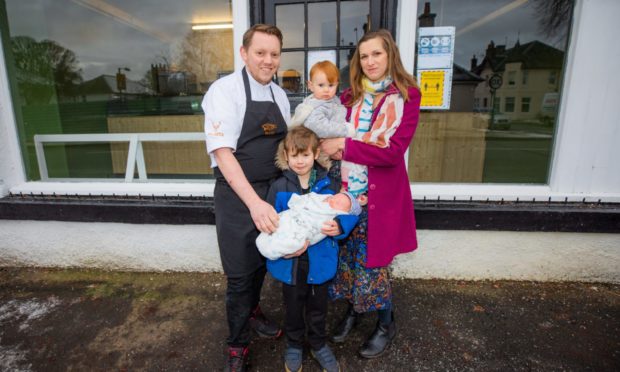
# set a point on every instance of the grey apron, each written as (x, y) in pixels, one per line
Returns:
(263, 128)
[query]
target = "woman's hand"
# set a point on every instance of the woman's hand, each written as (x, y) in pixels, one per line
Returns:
(331, 146)
(331, 228)
(299, 252)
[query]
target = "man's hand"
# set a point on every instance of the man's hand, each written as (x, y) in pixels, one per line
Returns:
(264, 216)
(299, 252)
(331, 228)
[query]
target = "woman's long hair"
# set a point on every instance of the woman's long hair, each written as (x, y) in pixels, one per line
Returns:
(402, 79)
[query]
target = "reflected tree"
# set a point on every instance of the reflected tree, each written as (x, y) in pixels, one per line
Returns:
(205, 53)
(553, 17)
(44, 68)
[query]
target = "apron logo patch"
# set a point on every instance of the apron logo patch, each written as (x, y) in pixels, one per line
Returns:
(216, 127)
(269, 129)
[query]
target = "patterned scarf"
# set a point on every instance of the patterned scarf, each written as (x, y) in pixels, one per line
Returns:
(375, 133)
(362, 125)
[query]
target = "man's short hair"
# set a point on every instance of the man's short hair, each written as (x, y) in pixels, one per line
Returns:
(266, 29)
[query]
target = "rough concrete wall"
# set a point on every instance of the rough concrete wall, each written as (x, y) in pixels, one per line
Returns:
(468, 255)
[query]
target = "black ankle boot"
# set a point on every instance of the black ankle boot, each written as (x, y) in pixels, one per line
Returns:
(379, 341)
(345, 326)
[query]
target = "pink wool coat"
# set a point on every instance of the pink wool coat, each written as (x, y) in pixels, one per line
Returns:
(391, 222)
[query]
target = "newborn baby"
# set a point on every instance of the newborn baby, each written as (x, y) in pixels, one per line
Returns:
(303, 221)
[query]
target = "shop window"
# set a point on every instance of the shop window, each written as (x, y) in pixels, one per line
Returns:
(104, 68)
(525, 104)
(509, 56)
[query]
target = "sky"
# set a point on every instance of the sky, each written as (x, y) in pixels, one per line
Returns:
(103, 43)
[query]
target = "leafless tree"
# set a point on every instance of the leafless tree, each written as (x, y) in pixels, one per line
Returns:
(554, 16)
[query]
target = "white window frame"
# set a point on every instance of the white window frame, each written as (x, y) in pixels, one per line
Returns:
(584, 161)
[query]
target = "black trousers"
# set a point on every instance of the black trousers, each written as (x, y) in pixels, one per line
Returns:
(309, 300)
(242, 296)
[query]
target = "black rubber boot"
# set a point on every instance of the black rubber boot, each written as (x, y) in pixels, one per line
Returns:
(345, 326)
(379, 341)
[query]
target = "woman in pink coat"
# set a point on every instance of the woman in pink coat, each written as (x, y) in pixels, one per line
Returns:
(384, 105)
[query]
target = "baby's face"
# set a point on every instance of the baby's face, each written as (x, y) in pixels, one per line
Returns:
(340, 202)
(321, 87)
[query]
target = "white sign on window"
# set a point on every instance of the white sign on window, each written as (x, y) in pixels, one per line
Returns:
(435, 59)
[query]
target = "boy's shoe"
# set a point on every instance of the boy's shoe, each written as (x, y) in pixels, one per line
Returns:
(326, 359)
(237, 359)
(292, 359)
(263, 326)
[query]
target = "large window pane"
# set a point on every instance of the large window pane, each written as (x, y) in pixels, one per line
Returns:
(290, 20)
(353, 21)
(106, 67)
(322, 24)
(292, 78)
(503, 135)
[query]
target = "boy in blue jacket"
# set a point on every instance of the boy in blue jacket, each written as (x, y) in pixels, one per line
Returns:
(306, 272)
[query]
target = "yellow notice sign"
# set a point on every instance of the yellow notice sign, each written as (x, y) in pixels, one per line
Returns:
(432, 86)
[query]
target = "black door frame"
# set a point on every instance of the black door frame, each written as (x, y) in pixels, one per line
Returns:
(382, 12)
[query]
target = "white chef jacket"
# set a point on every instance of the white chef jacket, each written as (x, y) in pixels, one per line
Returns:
(224, 107)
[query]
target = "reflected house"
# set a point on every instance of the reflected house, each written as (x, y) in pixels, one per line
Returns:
(104, 88)
(168, 82)
(464, 85)
(530, 74)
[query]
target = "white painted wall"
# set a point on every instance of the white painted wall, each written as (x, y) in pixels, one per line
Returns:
(587, 151)
(469, 255)
(11, 165)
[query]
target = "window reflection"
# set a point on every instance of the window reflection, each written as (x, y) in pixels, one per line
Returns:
(495, 134)
(108, 66)
(353, 21)
(322, 24)
(291, 76)
(290, 20)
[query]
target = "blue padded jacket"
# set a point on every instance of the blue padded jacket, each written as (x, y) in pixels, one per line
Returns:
(322, 256)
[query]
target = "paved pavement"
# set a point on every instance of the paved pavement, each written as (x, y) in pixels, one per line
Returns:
(82, 320)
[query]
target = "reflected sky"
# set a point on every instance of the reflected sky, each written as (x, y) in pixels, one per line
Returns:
(106, 35)
(520, 22)
(134, 35)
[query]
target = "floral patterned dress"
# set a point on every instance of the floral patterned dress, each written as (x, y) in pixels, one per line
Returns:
(366, 289)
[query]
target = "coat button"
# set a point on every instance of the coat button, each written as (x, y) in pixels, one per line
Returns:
(372, 186)
(371, 207)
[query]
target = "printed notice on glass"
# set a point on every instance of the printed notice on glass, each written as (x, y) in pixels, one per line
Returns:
(435, 60)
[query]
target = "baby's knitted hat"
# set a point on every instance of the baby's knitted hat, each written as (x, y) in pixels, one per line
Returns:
(356, 209)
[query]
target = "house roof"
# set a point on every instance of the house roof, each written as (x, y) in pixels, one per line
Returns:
(533, 55)
(106, 84)
(460, 74)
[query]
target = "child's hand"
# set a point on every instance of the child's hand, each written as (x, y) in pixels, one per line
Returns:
(331, 228)
(299, 252)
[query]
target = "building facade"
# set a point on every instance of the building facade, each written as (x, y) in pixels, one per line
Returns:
(103, 111)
